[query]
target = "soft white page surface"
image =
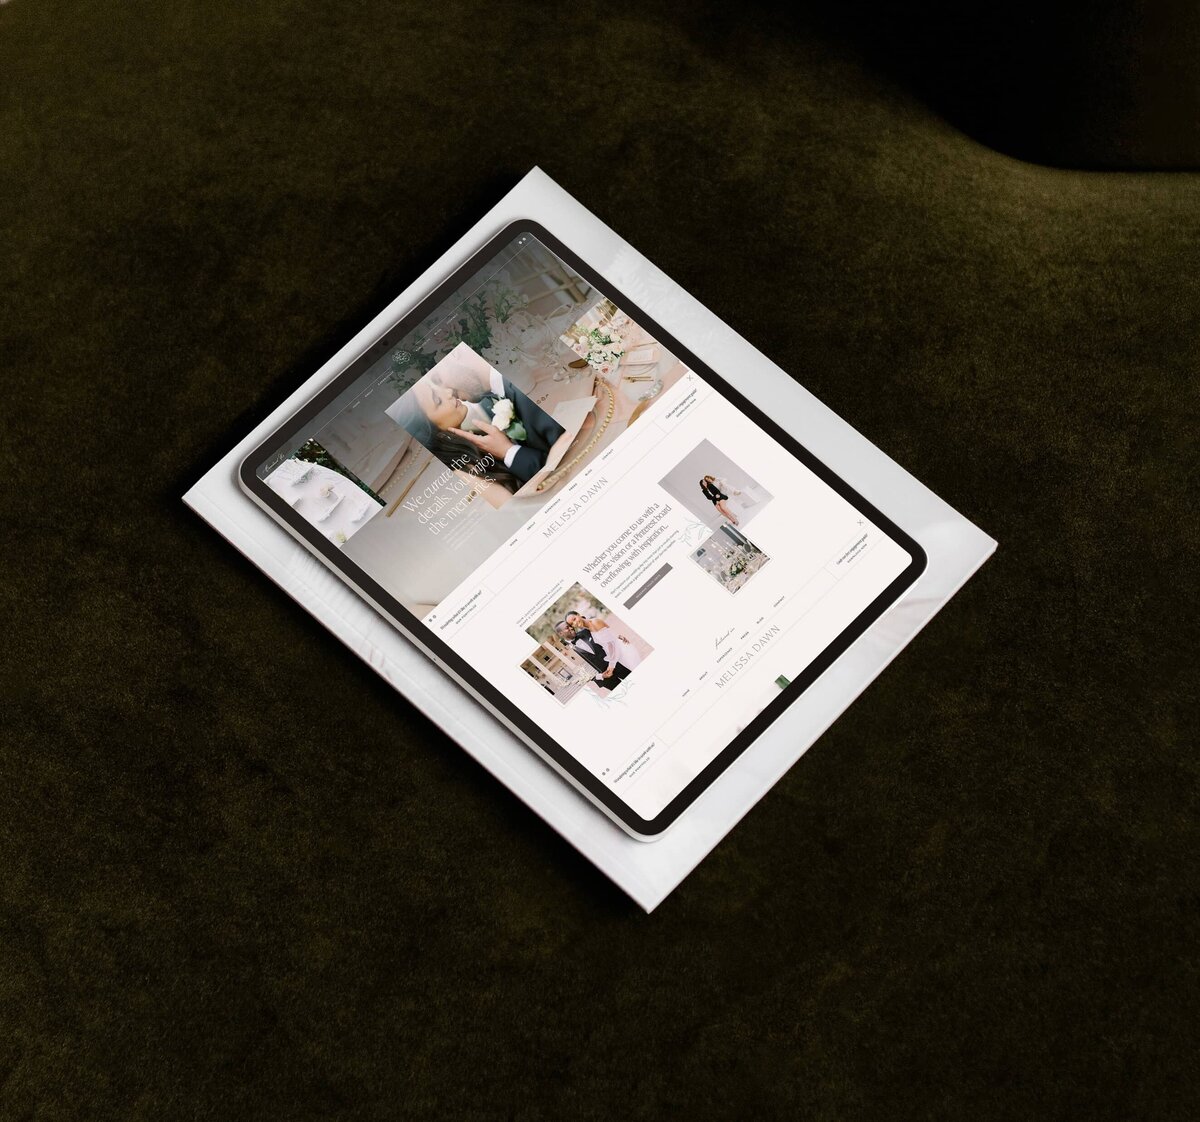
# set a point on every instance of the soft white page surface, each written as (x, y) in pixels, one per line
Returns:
(646, 871)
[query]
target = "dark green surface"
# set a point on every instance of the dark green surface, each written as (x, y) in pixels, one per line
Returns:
(242, 879)
(1111, 84)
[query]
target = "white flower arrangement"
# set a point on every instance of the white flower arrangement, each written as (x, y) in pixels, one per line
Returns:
(601, 348)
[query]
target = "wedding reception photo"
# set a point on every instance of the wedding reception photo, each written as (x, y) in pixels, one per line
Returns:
(729, 558)
(514, 317)
(607, 343)
(582, 647)
(714, 488)
(479, 424)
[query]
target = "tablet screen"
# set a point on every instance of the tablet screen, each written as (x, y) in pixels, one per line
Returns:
(630, 562)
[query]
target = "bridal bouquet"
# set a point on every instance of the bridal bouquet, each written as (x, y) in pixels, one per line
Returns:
(601, 348)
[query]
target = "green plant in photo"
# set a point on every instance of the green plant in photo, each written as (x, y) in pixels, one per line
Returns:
(473, 328)
(505, 301)
(480, 314)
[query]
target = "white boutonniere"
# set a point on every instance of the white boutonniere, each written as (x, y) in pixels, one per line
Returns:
(503, 414)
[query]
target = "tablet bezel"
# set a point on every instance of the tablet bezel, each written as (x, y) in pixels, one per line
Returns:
(446, 658)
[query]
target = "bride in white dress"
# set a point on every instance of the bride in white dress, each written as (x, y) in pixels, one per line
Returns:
(616, 647)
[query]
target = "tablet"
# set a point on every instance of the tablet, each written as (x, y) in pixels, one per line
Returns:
(585, 526)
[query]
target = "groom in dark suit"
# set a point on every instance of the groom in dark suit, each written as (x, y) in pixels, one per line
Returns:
(522, 440)
(580, 640)
(540, 431)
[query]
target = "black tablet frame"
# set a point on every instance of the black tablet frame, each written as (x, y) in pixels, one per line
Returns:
(442, 654)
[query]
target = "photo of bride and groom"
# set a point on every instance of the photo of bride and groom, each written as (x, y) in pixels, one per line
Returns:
(478, 423)
(583, 647)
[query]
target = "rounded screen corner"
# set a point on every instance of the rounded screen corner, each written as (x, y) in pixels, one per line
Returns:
(648, 832)
(247, 471)
(920, 560)
(518, 226)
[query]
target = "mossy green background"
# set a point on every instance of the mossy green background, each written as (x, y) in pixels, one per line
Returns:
(241, 878)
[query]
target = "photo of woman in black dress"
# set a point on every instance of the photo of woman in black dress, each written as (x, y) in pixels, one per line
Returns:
(730, 495)
(711, 489)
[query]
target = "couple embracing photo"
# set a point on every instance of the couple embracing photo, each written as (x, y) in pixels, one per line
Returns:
(583, 647)
(477, 422)
(608, 652)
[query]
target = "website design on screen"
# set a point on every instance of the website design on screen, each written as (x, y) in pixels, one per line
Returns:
(599, 533)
